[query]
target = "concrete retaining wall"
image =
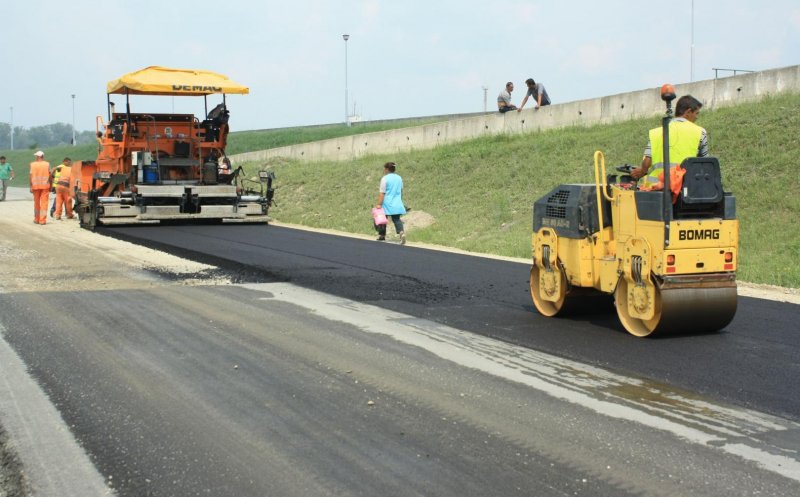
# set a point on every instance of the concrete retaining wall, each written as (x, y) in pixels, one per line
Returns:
(625, 106)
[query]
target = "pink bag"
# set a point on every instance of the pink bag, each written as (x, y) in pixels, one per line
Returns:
(378, 216)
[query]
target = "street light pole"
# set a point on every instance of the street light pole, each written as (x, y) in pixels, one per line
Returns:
(485, 89)
(12, 127)
(345, 37)
(73, 121)
(691, 70)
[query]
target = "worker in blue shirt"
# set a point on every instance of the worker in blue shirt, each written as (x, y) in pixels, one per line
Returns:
(390, 199)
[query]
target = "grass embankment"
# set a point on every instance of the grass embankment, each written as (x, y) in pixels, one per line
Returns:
(480, 193)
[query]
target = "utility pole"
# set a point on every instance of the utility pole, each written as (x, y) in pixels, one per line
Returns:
(73, 121)
(345, 37)
(485, 89)
(12, 127)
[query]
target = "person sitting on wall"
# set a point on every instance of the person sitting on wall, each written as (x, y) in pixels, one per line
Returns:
(504, 99)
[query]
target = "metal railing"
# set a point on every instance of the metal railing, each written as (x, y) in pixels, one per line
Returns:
(735, 71)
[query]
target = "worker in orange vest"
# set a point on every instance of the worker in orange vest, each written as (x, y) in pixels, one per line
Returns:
(40, 187)
(63, 193)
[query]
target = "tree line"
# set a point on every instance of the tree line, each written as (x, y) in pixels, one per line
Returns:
(48, 135)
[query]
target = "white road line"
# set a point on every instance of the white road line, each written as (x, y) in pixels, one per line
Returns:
(729, 429)
(54, 463)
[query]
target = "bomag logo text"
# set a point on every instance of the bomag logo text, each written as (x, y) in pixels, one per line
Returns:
(555, 222)
(698, 234)
(195, 88)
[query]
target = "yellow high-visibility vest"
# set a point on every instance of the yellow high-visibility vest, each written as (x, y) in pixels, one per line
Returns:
(684, 141)
(56, 174)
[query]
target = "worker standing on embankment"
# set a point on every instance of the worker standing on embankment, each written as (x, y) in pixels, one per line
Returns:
(40, 187)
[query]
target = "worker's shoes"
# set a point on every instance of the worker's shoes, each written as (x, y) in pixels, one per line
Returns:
(380, 238)
(402, 238)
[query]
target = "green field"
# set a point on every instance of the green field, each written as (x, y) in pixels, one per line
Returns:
(479, 194)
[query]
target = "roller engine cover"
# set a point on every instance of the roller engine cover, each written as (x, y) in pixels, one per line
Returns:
(571, 210)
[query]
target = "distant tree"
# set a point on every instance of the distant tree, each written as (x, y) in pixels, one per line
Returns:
(5, 136)
(48, 135)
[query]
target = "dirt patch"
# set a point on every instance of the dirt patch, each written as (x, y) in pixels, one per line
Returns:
(418, 219)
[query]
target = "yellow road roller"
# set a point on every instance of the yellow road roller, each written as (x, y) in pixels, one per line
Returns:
(668, 256)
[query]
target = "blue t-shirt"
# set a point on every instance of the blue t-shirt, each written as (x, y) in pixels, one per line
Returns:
(392, 188)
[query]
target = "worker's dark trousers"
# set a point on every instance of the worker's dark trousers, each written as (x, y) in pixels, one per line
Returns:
(398, 225)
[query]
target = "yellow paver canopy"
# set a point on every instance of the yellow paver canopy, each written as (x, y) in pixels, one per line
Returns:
(156, 80)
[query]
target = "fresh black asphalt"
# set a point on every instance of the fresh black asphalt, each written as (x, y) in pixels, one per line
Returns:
(754, 362)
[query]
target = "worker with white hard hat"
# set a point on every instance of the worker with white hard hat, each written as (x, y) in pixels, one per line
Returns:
(40, 187)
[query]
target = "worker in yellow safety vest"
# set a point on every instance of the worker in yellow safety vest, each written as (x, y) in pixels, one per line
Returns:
(40, 187)
(54, 174)
(63, 193)
(686, 139)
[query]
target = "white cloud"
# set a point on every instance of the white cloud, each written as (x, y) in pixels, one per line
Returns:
(591, 57)
(370, 11)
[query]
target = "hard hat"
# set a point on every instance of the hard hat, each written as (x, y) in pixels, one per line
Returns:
(39, 154)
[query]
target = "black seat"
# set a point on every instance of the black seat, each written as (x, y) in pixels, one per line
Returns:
(211, 130)
(702, 194)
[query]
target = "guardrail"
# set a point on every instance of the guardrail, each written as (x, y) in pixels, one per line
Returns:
(735, 71)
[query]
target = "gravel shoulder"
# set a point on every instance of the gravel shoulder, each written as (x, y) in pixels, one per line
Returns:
(60, 254)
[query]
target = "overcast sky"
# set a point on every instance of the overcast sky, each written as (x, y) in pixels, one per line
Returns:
(404, 57)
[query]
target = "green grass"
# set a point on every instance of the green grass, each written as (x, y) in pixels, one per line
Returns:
(481, 192)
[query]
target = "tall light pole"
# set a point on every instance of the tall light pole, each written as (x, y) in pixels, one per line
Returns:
(691, 70)
(73, 121)
(345, 37)
(485, 89)
(12, 127)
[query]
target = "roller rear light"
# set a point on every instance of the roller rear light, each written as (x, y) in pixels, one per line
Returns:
(728, 266)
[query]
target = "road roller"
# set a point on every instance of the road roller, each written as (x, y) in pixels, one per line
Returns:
(668, 256)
